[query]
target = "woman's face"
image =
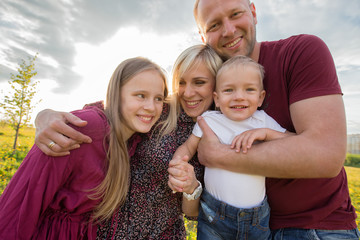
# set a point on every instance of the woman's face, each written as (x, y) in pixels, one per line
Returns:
(196, 87)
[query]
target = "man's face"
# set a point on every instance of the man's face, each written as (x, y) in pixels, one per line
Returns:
(228, 26)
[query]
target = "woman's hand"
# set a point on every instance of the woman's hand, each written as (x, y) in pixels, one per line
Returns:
(54, 137)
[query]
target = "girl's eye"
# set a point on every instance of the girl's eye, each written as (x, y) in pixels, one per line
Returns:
(181, 83)
(228, 90)
(159, 99)
(250, 89)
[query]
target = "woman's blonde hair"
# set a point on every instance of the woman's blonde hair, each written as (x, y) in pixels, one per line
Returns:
(114, 188)
(189, 58)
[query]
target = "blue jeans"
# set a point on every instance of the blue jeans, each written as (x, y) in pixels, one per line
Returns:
(218, 220)
(314, 234)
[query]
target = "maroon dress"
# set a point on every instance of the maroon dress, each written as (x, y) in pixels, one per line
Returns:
(47, 198)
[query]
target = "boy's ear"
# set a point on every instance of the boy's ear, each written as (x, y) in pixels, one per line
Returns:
(216, 99)
(261, 97)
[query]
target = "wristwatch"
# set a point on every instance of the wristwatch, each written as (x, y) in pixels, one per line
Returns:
(195, 195)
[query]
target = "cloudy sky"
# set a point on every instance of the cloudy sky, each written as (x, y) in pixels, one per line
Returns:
(80, 42)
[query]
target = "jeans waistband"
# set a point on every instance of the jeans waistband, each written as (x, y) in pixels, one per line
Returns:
(226, 210)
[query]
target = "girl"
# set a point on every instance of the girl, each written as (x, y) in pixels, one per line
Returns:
(50, 198)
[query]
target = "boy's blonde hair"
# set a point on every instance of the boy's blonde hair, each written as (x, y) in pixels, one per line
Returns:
(241, 61)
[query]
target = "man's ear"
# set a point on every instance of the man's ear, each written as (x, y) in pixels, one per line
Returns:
(202, 37)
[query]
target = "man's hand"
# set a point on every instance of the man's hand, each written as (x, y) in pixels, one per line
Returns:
(209, 146)
(54, 137)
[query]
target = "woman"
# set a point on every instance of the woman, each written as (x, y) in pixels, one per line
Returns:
(151, 210)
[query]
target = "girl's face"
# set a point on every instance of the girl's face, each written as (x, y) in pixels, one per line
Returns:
(196, 88)
(142, 101)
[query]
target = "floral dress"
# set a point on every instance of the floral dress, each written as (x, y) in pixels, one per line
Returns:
(151, 210)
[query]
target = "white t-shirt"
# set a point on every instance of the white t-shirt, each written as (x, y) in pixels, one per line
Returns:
(237, 189)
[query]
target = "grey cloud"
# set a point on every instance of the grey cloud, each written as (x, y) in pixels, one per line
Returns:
(53, 27)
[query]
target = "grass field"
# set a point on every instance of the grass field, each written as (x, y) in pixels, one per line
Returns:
(9, 162)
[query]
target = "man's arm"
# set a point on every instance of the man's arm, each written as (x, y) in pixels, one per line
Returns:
(318, 150)
(51, 126)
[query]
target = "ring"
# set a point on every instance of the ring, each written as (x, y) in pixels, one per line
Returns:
(51, 144)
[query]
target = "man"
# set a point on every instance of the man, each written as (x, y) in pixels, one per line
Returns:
(307, 186)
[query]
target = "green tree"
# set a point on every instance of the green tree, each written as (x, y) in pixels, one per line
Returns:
(19, 105)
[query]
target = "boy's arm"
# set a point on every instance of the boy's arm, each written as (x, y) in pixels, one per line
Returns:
(188, 148)
(182, 175)
(245, 140)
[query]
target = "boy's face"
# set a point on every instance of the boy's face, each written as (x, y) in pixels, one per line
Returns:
(239, 92)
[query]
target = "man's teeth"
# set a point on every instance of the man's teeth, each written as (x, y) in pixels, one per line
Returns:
(233, 43)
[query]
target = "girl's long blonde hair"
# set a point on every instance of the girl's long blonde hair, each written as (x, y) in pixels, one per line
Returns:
(114, 188)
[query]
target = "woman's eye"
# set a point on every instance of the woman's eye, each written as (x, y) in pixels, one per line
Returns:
(199, 82)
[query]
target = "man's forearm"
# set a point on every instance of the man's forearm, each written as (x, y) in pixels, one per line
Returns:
(291, 157)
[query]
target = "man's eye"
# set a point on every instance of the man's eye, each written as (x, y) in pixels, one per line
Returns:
(213, 27)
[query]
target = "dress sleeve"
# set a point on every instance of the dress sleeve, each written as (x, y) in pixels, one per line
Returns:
(30, 192)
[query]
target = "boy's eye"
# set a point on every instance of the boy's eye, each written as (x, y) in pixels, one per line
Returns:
(250, 89)
(228, 90)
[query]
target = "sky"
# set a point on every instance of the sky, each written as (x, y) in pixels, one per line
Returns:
(80, 42)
